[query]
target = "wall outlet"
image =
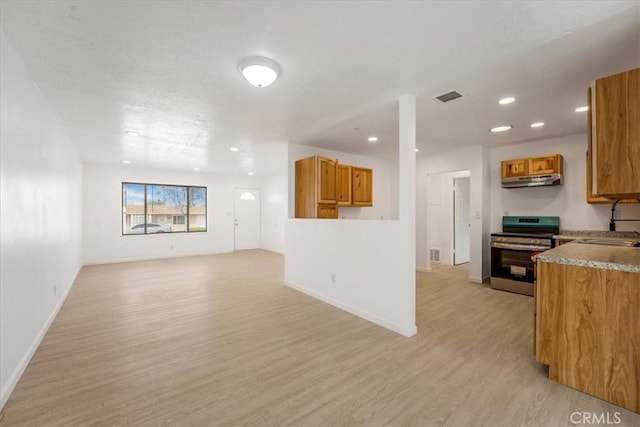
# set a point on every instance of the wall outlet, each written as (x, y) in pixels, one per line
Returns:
(333, 277)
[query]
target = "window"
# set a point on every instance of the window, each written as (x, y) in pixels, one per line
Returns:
(155, 208)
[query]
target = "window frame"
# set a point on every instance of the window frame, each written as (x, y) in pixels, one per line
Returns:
(145, 215)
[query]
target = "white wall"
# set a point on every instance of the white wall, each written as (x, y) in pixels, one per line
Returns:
(102, 199)
(366, 267)
(40, 234)
(475, 160)
(567, 201)
(385, 180)
(363, 258)
(275, 206)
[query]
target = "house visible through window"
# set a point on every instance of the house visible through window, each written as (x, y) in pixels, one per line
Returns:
(166, 208)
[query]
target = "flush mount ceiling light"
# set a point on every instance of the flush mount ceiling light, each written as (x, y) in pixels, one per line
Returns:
(131, 133)
(372, 139)
(126, 162)
(234, 149)
(196, 169)
(503, 128)
(505, 101)
(250, 174)
(581, 109)
(416, 149)
(537, 124)
(259, 71)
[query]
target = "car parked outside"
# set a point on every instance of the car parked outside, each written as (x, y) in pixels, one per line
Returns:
(151, 228)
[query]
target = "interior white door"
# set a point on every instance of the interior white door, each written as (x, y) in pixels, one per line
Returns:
(247, 218)
(461, 222)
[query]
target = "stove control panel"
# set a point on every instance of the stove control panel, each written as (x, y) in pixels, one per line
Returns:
(521, 242)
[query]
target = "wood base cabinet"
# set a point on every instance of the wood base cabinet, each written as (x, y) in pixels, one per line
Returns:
(588, 330)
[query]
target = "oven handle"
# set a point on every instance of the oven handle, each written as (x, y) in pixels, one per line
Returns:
(527, 248)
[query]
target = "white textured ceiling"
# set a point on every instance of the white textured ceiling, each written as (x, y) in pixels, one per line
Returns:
(168, 70)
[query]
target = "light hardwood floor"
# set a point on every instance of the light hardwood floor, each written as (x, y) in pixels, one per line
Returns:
(219, 340)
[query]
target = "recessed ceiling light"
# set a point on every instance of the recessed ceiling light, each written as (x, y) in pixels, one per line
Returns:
(131, 133)
(126, 162)
(372, 139)
(505, 101)
(250, 173)
(196, 169)
(234, 149)
(502, 128)
(537, 124)
(259, 70)
(581, 109)
(416, 149)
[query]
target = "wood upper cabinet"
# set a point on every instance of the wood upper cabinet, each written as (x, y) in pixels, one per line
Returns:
(545, 165)
(615, 135)
(343, 185)
(322, 184)
(362, 192)
(315, 188)
(516, 167)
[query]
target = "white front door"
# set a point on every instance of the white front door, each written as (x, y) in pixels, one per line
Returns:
(247, 218)
(461, 222)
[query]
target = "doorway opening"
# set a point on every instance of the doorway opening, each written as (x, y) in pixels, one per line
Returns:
(461, 221)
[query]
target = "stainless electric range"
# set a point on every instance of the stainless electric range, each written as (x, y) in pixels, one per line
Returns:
(522, 237)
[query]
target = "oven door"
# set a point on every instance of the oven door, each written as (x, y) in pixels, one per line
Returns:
(512, 262)
(512, 268)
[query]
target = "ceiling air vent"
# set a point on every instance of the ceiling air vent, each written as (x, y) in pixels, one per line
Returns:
(450, 96)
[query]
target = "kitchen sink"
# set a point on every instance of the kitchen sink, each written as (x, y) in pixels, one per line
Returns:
(610, 242)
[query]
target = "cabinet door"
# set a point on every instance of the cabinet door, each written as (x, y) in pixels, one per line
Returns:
(326, 180)
(305, 187)
(362, 187)
(591, 198)
(545, 165)
(615, 135)
(343, 185)
(327, 211)
(511, 168)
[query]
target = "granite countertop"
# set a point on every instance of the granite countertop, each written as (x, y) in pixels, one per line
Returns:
(597, 256)
(599, 234)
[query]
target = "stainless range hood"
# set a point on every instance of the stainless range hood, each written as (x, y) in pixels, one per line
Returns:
(532, 181)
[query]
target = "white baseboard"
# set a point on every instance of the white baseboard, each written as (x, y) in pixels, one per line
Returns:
(423, 270)
(478, 279)
(152, 258)
(6, 391)
(407, 331)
